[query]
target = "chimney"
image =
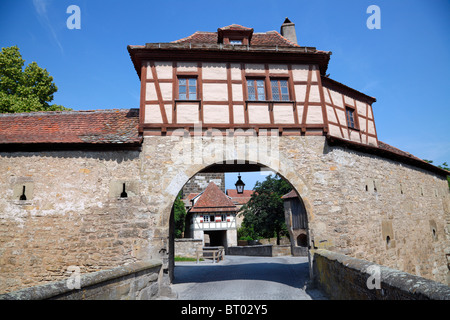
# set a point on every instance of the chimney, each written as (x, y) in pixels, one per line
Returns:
(288, 30)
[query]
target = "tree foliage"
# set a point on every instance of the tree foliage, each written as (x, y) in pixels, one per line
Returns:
(179, 212)
(24, 90)
(264, 212)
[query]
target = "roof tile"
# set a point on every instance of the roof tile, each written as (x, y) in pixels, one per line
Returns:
(91, 127)
(270, 38)
(213, 200)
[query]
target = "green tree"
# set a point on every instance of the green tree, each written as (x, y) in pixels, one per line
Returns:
(24, 90)
(179, 212)
(264, 212)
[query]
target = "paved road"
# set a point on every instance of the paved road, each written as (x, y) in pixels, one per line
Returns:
(244, 278)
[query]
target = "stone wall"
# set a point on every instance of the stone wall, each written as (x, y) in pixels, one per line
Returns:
(358, 204)
(346, 278)
(137, 281)
(265, 250)
(188, 248)
(200, 181)
(73, 216)
(258, 251)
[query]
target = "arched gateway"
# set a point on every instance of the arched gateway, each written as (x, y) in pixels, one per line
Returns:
(99, 185)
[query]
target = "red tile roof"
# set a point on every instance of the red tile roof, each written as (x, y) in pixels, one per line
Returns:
(388, 147)
(386, 151)
(239, 199)
(233, 193)
(236, 27)
(213, 200)
(269, 38)
(76, 127)
(290, 194)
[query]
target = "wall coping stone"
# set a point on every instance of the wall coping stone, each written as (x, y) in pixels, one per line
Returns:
(414, 285)
(188, 240)
(56, 288)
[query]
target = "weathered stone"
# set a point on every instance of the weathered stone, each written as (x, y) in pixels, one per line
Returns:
(71, 216)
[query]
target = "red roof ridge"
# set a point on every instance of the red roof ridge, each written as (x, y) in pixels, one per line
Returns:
(56, 112)
(213, 200)
(234, 26)
(284, 38)
(192, 35)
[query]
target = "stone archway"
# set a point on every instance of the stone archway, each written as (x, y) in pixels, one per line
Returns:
(168, 162)
(219, 168)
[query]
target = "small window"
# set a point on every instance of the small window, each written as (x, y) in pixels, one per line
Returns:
(350, 113)
(206, 218)
(236, 42)
(280, 90)
(256, 90)
(187, 88)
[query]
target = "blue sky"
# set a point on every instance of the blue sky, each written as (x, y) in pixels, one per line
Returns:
(405, 64)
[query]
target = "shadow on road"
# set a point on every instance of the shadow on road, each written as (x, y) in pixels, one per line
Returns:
(292, 274)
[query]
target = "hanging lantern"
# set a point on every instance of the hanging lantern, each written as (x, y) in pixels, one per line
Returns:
(239, 185)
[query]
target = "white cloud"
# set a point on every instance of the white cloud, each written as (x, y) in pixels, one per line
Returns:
(41, 9)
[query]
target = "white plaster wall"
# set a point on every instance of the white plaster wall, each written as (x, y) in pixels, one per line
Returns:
(349, 101)
(278, 68)
(216, 114)
(149, 71)
(330, 114)
(300, 113)
(235, 71)
(300, 72)
(371, 128)
(168, 108)
(164, 70)
(314, 74)
(337, 98)
(187, 66)
(150, 92)
(314, 115)
(283, 113)
(153, 114)
(166, 90)
(237, 92)
(216, 71)
(258, 113)
(362, 124)
(354, 135)
(254, 68)
(361, 107)
(187, 113)
(335, 131)
(372, 141)
(314, 94)
(341, 116)
(300, 93)
(215, 92)
(238, 114)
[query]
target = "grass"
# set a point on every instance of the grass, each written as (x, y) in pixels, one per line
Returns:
(178, 258)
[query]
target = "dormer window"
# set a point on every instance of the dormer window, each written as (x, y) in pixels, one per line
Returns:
(235, 35)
